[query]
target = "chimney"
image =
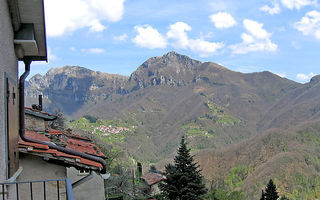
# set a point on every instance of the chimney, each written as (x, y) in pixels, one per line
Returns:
(40, 102)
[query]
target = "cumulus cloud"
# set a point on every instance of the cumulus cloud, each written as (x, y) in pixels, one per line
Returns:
(65, 17)
(255, 39)
(275, 9)
(178, 33)
(177, 37)
(122, 37)
(305, 77)
(149, 37)
(297, 4)
(204, 48)
(93, 50)
(223, 20)
(309, 24)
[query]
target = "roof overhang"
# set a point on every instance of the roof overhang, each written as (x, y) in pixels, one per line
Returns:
(42, 115)
(28, 22)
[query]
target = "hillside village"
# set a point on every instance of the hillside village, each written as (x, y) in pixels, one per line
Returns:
(108, 130)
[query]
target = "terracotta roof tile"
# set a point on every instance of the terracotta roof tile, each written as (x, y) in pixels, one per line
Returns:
(70, 141)
(153, 178)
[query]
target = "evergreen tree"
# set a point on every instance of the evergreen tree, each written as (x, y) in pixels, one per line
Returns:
(184, 180)
(263, 196)
(270, 193)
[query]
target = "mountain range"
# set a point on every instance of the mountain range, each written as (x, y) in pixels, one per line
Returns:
(242, 128)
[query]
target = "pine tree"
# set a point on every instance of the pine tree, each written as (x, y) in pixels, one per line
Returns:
(263, 196)
(184, 180)
(270, 193)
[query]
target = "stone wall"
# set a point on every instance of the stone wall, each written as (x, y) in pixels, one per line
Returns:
(35, 123)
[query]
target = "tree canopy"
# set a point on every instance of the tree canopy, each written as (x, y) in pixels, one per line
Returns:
(270, 192)
(184, 179)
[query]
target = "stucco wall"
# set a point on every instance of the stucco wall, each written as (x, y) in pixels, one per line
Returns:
(35, 168)
(92, 189)
(8, 64)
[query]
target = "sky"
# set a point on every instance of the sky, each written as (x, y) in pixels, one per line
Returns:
(117, 36)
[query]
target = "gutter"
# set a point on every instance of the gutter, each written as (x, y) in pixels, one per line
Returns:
(23, 136)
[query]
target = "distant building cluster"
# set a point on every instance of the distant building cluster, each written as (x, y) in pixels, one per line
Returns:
(108, 130)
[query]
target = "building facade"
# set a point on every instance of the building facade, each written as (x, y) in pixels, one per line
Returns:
(38, 155)
(8, 70)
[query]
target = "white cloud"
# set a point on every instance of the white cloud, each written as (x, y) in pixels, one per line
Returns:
(255, 29)
(271, 10)
(122, 37)
(93, 50)
(305, 77)
(256, 39)
(149, 37)
(65, 17)
(309, 24)
(178, 33)
(204, 48)
(177, 37)
(297, 4)
(282, 75)
(223, 20)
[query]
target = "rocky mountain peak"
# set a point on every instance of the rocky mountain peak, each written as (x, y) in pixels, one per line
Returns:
(69, 71)
(171, 59)
(170, 69)
(315, 79)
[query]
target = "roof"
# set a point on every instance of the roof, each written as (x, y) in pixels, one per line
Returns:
(30, 12)
(152, 178)
(38, 113)
(64, 139)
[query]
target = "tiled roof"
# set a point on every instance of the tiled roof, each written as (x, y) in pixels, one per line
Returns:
(153, 178)
(39, 113)
(64, 139)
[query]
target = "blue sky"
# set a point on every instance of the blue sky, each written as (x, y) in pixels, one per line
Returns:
(116, 36)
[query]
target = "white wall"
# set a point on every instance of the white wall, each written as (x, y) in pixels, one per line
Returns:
(35, 168)
(92, 189)
(8, 64)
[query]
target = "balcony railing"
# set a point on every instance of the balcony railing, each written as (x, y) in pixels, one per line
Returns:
(60, 189)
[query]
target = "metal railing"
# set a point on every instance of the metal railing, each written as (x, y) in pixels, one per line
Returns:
(29, 189)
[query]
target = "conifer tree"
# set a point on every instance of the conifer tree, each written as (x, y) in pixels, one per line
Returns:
(270, 193)
(184, 180)
(263, 196)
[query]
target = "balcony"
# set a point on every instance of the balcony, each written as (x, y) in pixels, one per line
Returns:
(55, 189)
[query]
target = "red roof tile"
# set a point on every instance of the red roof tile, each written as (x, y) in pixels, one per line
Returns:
(70, 141)
(153, 178)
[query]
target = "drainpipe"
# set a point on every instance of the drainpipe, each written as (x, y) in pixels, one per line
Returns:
(23, 136)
